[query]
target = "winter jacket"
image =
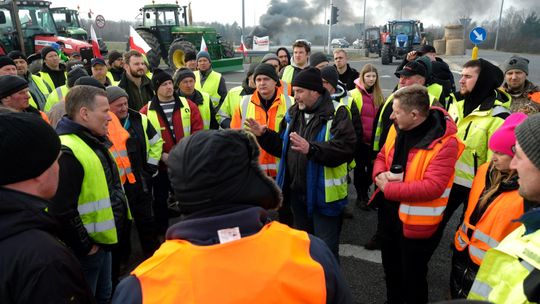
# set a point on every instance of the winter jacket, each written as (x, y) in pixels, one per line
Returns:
(53, 78)
(200, 230)
(348, 77)
(172, 138)
(36, 266)
(522, 99)
(367, 113)
(64, 205)
(138, 96)
(437, 174)
(332, 153)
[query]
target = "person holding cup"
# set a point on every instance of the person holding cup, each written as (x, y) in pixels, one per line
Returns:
(414, 172)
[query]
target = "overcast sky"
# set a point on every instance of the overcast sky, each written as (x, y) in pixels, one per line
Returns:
(229, 11)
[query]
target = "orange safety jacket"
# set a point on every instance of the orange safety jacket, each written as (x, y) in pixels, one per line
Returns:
(241, 271)
(272, 119)
(494, 225)
(118, 136)
(421, 213)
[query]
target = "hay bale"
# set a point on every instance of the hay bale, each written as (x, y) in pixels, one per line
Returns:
(455, 47)
(454, 31)
(440, 46)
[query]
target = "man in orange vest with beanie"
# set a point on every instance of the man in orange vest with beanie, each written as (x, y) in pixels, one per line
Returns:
(226, 250)
(414, 172)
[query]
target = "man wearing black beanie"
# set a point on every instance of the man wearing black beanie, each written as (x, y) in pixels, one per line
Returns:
(116, 63)
(176, 117)
(36, 266)
(53, 72)
(38, 89)
(14, 95)
(317, 142)
(267, 105)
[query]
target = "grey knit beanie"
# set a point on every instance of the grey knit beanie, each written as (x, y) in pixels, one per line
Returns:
(517, 63)
(526, 135)
(114, 92)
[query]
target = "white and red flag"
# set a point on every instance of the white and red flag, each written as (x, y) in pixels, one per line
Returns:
(136, 42)
(203, 45)
(95, 44)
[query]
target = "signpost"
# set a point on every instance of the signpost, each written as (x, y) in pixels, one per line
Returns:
(477, 36)
(100, 21)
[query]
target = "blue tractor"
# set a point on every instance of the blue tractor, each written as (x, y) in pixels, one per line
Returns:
(399, 38)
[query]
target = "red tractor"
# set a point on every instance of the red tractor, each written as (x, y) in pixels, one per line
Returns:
(34, 25)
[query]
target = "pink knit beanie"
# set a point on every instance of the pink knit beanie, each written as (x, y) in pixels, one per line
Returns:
(504, 139)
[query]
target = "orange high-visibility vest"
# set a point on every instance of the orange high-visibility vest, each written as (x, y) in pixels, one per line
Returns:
(494, 225)
(421, 213)
(271, 266)
(118, 136)
(44, 117)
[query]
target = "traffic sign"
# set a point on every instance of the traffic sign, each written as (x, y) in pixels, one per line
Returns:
(478, 35)
(100, 21)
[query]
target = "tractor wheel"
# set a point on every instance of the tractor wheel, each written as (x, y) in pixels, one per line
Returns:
(153, 56)
(386, 57)
(228, 50)
(177, 53)
(103, 47)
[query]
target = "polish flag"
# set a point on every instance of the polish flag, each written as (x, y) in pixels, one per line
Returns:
(95, 44)
(136, 42)
(203, 45)
(242, 47)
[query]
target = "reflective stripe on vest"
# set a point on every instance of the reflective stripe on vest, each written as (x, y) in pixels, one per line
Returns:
(335, 178)
(210, 86)
(247, 110)
(504, 269)
(94, 204)
(285, 87)
(204, 108)
(118, 136)
(48, 80)
(185, 113)
(55, 97)
(232, 100)
(288, 73)
(495, 223)
(210, 274)
(154, 145)
(421, 213)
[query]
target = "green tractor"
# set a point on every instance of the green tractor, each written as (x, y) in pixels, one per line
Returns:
(68, 25)
(165, 29)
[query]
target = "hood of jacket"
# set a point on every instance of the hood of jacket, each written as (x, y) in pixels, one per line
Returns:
(489, 79)
(20, 212)
(340, 92)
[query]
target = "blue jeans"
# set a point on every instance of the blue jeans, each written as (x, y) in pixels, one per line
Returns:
(327, 228)
(97, 271)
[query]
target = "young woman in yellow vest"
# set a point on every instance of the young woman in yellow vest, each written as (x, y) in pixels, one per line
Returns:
(494, 205)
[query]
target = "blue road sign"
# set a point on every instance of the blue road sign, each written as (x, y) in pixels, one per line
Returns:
(478, 35)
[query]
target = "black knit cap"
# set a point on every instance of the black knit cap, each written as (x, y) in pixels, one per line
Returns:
(113, 55)
(159, 77)
(74, 75)
(190, 55)
(267, 70)
(330, 74)
(215, 168)
(21, 135)
(15, 54)
(316, 58)
(528, 140)
(182, 74)
(89, 81)
(46, 50)
(5, 60)
(10, 84)
(310, 79)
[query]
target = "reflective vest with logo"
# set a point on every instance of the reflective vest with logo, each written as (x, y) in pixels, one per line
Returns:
(421, 213)
(210, 86)
(55, 97)
(154, 145)
(379, 129)
(475, 130)
(504, 269)
(185, 113)
(251, 107)
(288, 73)
(248, 270)
(48, 80)
(94, 204)
(230, 103)
(494, 225)
(204, 108)
(118, 136)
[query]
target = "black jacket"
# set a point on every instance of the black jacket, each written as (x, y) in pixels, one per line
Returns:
(64, 205)
(36, 266)
(117, 73)
(349, 77)
(58, 76)
(339, 150)
(138, 97)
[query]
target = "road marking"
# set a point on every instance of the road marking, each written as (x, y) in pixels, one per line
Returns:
(348, 250)
(234, 82)
(386, 76)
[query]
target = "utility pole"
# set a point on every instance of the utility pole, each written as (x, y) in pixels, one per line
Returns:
(401, 10)
(243, 21)
(365, 14)
(330, 26)
(498, 26)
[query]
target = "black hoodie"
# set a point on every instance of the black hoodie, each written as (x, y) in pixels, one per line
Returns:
(36, 266)
(485, 90)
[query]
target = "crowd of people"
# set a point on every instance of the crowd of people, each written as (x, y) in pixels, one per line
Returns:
(258, 175)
